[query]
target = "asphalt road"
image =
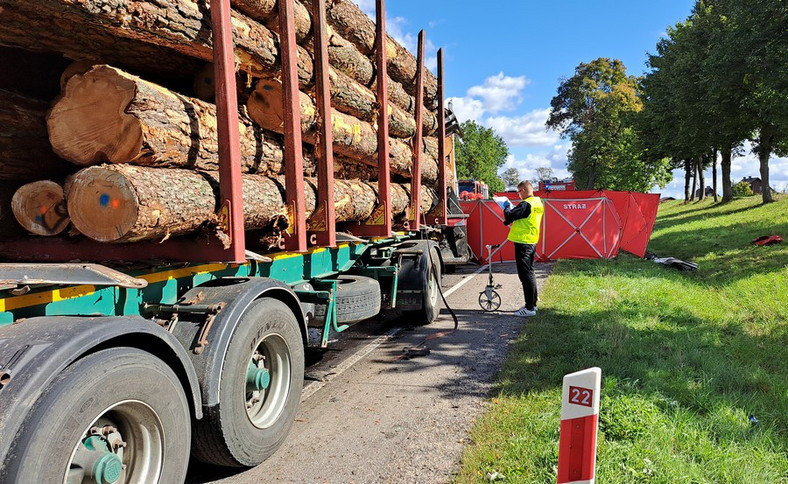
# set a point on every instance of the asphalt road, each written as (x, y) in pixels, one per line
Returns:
(370, 415)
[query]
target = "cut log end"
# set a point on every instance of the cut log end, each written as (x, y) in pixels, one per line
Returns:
(104, 205)
(89, 124)
(40, 208)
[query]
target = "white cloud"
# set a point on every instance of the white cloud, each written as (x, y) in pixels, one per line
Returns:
(526, 166)
(500, 92)
(526, 130)
(466, 108)
(503, 93)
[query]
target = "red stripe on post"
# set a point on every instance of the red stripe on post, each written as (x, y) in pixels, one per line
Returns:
(577, 449)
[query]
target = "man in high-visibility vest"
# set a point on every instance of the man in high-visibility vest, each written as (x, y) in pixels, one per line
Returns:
(525, 220)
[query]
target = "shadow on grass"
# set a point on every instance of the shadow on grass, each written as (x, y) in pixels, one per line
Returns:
(678, 360)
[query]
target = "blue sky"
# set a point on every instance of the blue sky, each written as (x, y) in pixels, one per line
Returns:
(504, 60)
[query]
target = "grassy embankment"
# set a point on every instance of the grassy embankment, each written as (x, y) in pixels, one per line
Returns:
(686, 358)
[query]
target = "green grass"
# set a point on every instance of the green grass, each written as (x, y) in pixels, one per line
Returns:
(686, 357)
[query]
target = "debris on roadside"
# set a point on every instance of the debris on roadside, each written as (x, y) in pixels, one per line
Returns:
(414, 352)
(767, 240)
(672, 262)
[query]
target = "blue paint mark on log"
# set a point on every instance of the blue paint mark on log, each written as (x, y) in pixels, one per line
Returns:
(104, 199)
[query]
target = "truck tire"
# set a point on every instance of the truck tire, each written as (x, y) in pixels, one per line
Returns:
(67, 435)
(358, 298)
(430, 308)
(260, 389)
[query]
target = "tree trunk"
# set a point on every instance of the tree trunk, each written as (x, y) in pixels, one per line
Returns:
(725, 164)
(126, 203)
(765, 143)
(701, 179)
(179, 27)
(694, 169)
(688, 170)
(714, 174)
(24, 145)
(353, 138)
(40, 208)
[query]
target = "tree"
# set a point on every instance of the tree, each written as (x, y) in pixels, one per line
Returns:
(544, 173)
(511, 177)
(742, 189)
(481, 154)
(757, 40)
(717, 80)
(596, 109)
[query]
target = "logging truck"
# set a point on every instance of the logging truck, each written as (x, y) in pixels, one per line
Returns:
(190, 200)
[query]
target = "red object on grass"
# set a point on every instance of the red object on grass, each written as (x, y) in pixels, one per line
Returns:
(767, 240)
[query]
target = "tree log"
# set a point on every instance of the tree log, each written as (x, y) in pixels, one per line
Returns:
(353, 138)
(48, 27)
(89, 28)
(348, 19)
(107, 115)
(24, 145)
(40, 208)
(127, 203)
(346, 59)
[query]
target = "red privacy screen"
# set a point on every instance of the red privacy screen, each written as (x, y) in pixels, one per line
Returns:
(576, 225)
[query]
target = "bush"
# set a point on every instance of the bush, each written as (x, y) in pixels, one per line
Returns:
(742, 189)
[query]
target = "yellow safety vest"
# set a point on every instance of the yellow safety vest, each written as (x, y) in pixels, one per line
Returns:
(526, 230)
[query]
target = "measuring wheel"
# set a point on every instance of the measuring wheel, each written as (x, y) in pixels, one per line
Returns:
(489, 299)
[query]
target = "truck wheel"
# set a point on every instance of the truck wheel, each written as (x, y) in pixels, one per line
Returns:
(430, 307)
(117, 415)
(358, 298)
(260, 388)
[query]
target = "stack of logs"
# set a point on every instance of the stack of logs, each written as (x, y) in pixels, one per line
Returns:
(122, 159)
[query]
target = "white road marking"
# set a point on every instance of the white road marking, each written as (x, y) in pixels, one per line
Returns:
(312, 388)
(462, 282)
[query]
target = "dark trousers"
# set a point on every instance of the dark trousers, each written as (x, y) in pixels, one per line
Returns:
(524, 258)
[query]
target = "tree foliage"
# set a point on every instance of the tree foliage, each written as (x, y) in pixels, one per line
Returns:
(718, 79)
(544, 173)
(510, 177)
(596, 109)
(480, 155)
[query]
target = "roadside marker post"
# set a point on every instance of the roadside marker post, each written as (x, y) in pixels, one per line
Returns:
(579, 419)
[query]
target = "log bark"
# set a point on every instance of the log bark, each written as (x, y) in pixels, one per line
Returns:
(354, 25)
(266, 11)
(147, 30)
(346, 58)
(353, 138)
(40, 208)
(127, 203)
(107, 115)
(24, 145)
(49, 26)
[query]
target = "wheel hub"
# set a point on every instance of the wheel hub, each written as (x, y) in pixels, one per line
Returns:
(258, 376)
(100, 456)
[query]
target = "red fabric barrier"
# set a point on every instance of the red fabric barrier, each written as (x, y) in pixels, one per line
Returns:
(577, 225)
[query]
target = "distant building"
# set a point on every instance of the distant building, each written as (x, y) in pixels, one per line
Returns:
(755, 184)
(709, 192)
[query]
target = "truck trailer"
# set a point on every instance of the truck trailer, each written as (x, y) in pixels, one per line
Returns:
(134, 339)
